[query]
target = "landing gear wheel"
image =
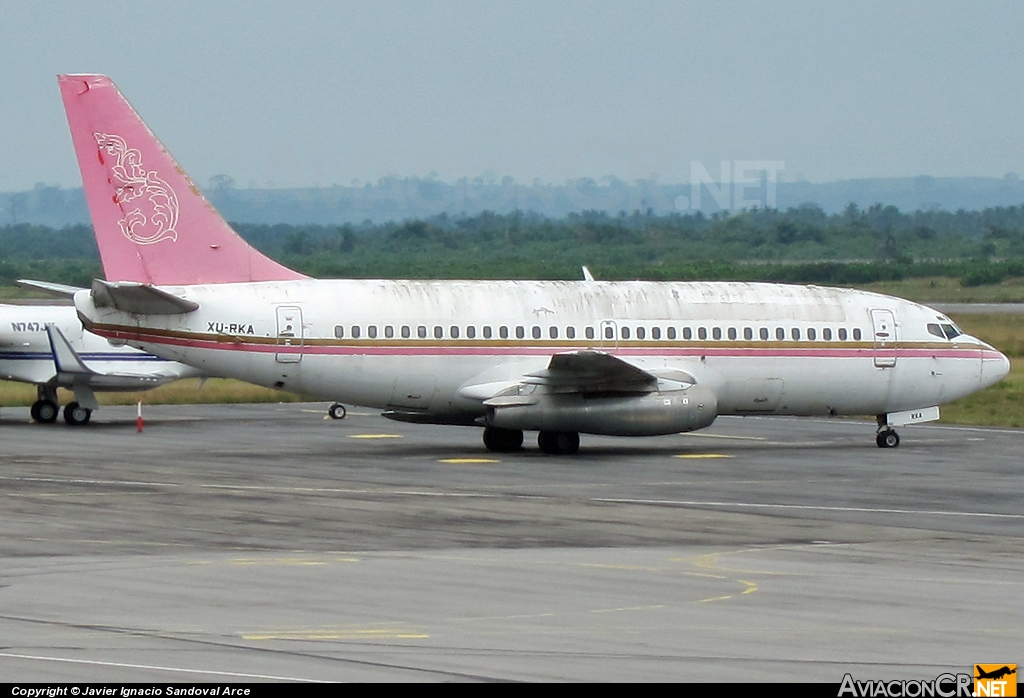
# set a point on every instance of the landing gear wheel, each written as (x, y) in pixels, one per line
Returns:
(336, 411)
(503, 440)
(75, 414)
(887, 439)
(559, 443)
(45, 411)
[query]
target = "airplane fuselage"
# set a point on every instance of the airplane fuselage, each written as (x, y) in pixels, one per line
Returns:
(440, 348)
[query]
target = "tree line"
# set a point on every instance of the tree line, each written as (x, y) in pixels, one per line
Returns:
(801, 244)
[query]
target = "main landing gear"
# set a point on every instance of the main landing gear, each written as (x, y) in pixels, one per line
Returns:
(555, 443)
(503, 440)
(887, 436)
(559, 443)
(46, 408)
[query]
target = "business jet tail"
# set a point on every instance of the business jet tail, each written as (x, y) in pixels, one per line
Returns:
(153, 226)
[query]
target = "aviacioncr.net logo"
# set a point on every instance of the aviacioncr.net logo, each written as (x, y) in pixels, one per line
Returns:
(942, 686)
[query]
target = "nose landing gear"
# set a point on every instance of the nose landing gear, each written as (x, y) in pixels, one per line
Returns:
(887, 438)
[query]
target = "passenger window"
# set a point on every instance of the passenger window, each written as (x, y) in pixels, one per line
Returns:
(487, 331)
(406, 332)
(371, 332)
(355, 331)
(716, 333)
(655, 333)
(748, 333)
(438, 332)
(339, 331)
(553, 332)
(732, 333)
(812, 334)
(842, 334)
(671, 332)
(764, 333)
(454, 329)
(520, 332)
(780, 333)
(625, 333)
(795, 333)
(503, 332)
(421, 331)
(609, 333)
(590, 332)
(570, 332)
(536, 332)
(856, 333)
(471, 331)
(389, 331)
(826, 334)
(702, 333)
(687, 333)
(641, 333)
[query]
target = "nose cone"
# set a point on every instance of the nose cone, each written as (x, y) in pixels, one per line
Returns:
(994, 367)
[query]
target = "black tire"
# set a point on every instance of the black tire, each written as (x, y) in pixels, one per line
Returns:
(503, 440)
(337, 411)
(559, 443)
(887, 439)
(45, 411)
(76, 415)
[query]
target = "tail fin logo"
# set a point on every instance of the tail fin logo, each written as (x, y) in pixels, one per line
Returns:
(133, 183)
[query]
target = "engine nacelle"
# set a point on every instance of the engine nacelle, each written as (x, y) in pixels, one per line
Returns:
(650, 414)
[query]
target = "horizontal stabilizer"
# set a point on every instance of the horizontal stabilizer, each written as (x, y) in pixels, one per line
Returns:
(60, 290)
(140, 299)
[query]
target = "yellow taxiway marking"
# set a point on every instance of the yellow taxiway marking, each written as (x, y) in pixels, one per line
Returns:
(458, 461)
(283, 561)
(375, 436)
(628, 608)
(703, 455)
(726, 436)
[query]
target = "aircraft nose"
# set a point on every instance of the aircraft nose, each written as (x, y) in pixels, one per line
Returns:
(994, 367)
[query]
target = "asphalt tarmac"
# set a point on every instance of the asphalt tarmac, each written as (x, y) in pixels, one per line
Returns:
(265, 542)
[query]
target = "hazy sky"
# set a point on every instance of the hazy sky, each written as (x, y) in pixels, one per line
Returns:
(303, 93)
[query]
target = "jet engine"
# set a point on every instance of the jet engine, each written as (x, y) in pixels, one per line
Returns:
(646, 414)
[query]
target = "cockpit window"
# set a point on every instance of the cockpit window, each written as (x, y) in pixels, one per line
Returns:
(945, 330)
(951, 331)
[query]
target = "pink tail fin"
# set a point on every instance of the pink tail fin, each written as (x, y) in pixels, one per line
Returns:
(152, 223)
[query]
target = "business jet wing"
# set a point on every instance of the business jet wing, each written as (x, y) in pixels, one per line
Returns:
(73, 373)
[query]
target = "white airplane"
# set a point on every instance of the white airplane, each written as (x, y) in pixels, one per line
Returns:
(46, 346)
(558, 357)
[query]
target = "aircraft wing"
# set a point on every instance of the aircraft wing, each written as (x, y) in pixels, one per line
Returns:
(591, 372)
(581, 372)
(71, 370)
